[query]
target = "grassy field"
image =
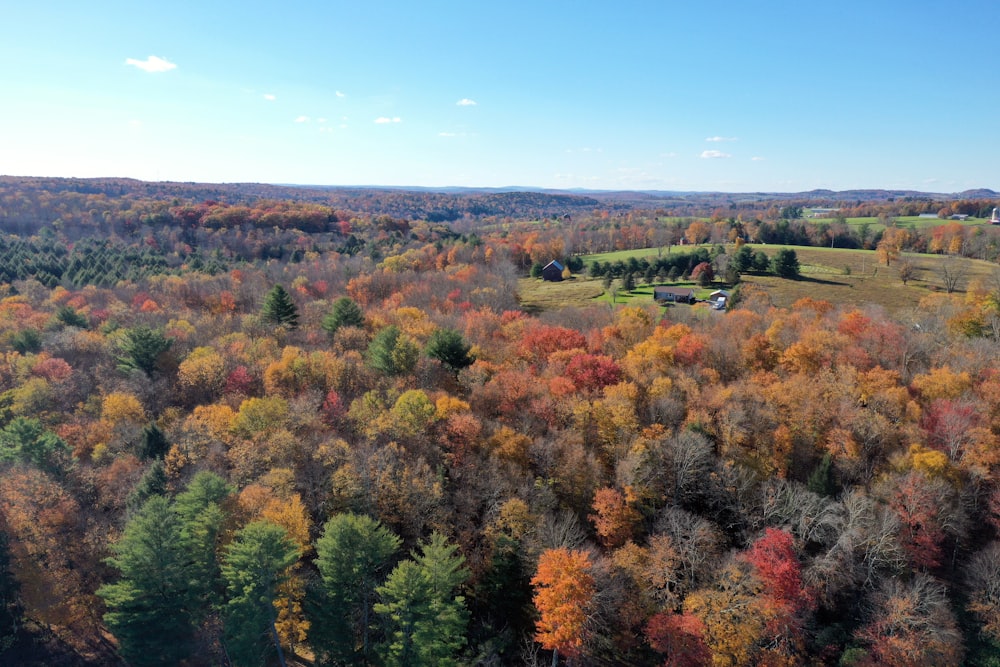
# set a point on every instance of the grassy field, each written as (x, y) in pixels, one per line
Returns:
(904, 221)
(850, 277)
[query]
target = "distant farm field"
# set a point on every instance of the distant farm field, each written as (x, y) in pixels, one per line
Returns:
(840, 276)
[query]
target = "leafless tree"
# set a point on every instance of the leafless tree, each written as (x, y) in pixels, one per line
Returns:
(953, 273)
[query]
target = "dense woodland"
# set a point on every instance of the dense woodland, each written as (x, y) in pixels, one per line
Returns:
(252, 429)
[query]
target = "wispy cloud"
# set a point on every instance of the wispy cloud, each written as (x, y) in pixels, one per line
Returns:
(302, 119)
(466, 102)
(447, 134)
(717, 139)
(382, 120)
(151, 64)
(709, 155)
(269, 97)
(340, 94)
(757, 158)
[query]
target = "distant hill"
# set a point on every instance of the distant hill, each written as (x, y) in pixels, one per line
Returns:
(452, 203)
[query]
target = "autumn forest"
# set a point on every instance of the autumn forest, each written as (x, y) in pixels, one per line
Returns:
(252, 425)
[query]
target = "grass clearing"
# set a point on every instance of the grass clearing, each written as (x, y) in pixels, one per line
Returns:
(837, 275)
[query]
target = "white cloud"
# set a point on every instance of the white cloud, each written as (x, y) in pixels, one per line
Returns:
(447, 134)
(302, 119)
(382, 120)
(466, 102)
(321, 120)
(670, 154)
(340, 94)
(714, 154)
(717, 139)
(151, 64)
(757, 158)
(269, 97)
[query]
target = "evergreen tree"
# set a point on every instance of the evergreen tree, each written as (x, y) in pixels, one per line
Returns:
(152, 483)
(352, 556)
(27, 341)
(28, 441)
(149, 607)
(154, 443)
(69, 317)
(345, 313)
(423, 619)
(254, 566)
(743, 259)
(280, 309)
(785, 264)
(821, 479)
(391, 352)
(141, 348)
(200, 512)
(448, 347)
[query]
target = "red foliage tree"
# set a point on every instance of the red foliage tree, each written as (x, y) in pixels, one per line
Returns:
(681, 637)
(593, 372)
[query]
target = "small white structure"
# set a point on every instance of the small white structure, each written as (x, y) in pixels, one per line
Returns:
(719, 298)
(995, 218)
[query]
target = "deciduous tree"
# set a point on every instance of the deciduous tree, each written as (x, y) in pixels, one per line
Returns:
(564, 597)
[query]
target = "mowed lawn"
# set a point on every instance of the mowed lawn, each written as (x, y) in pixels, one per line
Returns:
(840, 276)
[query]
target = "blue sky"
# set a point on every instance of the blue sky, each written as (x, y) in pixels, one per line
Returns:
(695, 95)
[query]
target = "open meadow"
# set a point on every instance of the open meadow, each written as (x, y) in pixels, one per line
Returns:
(840, 276)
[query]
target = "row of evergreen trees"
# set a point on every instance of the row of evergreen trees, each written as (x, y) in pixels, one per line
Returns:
(671, 264)
(88, 262)
(362, 601)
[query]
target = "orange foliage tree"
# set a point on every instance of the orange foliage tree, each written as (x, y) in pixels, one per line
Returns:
(564, 595)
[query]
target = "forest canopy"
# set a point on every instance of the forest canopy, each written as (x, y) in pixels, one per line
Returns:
(293, 429)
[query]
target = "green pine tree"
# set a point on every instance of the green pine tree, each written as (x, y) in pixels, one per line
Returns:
(353, 557)
(154, 443)
(152, 483)
(821, 479)
(148, 608)
(254, 566)
(345, 313)
(200, 512)
(141, 348)
(280, 309)
(423, 619)
(785, 264)
(391, 352)
(28, 441)
(448, 347)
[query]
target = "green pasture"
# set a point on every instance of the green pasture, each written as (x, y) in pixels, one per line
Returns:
(641, 253)
(840, 276)
(904, 221)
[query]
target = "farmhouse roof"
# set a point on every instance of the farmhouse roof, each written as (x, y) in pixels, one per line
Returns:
(555, 263)
(677, 291)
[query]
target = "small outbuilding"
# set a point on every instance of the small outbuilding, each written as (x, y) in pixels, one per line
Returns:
(673, 295)
(553, 271)
(719, 298)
